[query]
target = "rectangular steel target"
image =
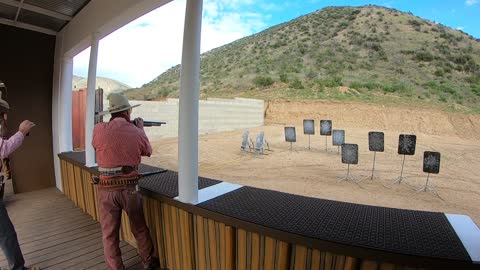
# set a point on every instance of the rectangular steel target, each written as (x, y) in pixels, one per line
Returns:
(350, 153)
(406, 144)
(431, 162)
(338, 137)
(290, 135)
(326, 127)
(376, 141)
(308, 126)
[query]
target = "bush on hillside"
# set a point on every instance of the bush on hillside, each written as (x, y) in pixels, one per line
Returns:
(262, 81)
(424, 56)
(296, 84)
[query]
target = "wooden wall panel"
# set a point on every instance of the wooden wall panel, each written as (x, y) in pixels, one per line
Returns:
(214, 244)
(27, 61)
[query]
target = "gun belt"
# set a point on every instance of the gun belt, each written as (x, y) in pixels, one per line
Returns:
(113, 182)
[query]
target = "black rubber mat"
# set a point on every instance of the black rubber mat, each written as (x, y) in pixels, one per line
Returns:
(409, 232)
(79, 159)
(166, 183)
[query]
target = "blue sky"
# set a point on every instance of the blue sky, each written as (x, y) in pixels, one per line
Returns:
(143, 49)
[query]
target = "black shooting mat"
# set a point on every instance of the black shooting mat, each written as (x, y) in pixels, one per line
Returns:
(431, 162)
(166, 183)
(79, 157)
(376, 141)
(418, 233)
(290, 135)
(308, 127)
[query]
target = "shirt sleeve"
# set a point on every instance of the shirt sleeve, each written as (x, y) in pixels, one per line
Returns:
(145, 144)
(10, 145)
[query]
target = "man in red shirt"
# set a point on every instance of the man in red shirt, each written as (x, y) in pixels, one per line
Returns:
(119, 145)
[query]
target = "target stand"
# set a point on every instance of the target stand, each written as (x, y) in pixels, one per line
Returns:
(376, 143)
(431, 164)
(349, 156)
(406, 147)
(309, 129)
(290, 136)
(247, 144)
(338, 138)
(326, 130)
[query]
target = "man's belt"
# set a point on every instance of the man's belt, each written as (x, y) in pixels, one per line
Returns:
(117, 170)
(113, 182)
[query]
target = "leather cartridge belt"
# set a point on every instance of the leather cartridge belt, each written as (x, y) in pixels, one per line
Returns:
(117, 170)
(114, 182)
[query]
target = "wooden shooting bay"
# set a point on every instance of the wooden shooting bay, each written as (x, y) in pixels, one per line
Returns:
(252, 228)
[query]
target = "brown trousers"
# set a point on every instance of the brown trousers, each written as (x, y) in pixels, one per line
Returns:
(111, 203)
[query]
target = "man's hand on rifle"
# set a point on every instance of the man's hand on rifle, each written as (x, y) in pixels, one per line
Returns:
(138, 122)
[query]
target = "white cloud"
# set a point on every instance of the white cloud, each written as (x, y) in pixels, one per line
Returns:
(146, 47)
(460, 28)
(471, 2)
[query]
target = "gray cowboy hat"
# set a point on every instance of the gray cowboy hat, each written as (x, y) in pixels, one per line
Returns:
(117, 103)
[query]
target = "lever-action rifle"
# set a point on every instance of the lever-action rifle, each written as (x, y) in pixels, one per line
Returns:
(151, 123)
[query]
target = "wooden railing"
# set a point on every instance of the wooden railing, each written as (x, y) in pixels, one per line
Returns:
(188, 238)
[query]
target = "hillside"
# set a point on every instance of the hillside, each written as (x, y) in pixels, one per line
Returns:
(368, 53)
(108, 85)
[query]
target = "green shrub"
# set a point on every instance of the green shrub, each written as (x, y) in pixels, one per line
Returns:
(284, 78)
(397, 86)
(424, 56)
(262, 81)
(296, 84)
(367, 85)
(439, 73)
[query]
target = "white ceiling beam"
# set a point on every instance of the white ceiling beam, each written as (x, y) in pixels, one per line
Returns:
(28, 27)
(36, 9)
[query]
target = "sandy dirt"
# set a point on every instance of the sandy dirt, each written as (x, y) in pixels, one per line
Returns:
(316, 172)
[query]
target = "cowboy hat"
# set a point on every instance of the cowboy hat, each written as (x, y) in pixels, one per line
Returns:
(4, 107)
(117, 103)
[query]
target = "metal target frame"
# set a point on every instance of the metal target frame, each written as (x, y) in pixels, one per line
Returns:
(326, 130)
(431, 165)
(309, 129)
(376, 143)
(338, 138)
(293, 136)
(406, 146)
(349, 156)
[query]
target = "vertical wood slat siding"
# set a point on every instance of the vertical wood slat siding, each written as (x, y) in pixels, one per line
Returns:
(214, 244)
(186, 241)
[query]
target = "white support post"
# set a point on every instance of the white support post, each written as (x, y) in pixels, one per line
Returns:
(189, 99)
(90, 106)
(66, 105)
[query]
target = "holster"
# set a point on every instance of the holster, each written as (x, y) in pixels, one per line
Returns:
(95, 179)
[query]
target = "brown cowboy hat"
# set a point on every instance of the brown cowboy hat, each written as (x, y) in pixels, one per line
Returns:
(117, 103)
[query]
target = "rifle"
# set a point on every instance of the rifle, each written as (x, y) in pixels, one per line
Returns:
(151, 123)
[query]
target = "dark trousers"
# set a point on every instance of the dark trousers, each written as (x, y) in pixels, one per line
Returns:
(111, 203)
(9, 242)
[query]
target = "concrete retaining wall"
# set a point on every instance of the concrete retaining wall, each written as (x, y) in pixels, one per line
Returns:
(215, 115)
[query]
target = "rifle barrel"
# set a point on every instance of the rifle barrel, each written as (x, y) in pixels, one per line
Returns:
(152, 123)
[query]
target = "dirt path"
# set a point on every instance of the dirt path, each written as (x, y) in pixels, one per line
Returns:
(315, 172)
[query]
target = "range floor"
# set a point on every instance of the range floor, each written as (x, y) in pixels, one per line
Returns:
(54, 234)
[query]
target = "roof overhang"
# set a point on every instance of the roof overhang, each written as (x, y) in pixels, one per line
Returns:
(44, 16)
